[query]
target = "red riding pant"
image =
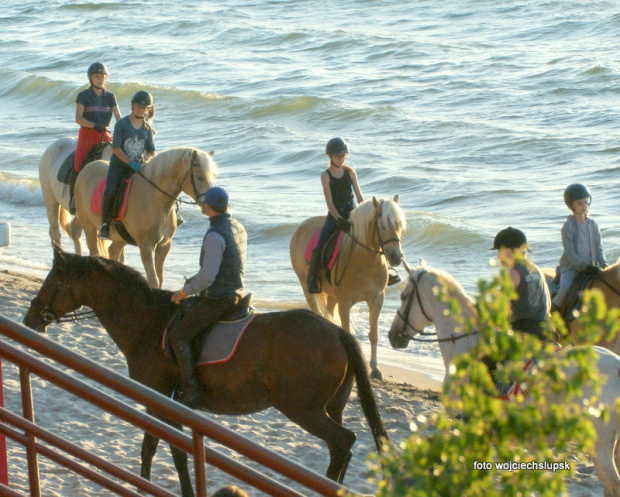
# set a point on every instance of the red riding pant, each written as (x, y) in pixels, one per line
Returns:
(87, 139)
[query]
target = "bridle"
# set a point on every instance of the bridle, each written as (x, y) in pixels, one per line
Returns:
(190, 173)
(415, 293)
(382, 244)
(46, 309)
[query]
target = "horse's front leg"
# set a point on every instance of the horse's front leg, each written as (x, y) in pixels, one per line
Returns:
(149, 448)
(374, 310)
(148, 260)
(161, 252)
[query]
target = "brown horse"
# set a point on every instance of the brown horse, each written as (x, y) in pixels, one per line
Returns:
(361, 270)
(295, 361)
(608, 283)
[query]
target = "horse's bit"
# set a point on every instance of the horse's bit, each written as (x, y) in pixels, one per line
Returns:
(46, 309)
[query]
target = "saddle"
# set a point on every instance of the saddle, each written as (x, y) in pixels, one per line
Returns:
(330, 251)
(119, 207)
(217, 343)
(68, 176)
(573, 297)
(330, 255)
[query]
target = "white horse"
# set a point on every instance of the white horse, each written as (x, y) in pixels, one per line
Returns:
(421, 307)
(150, 219)
(56, 193)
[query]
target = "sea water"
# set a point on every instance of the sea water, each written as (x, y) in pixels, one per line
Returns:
(476, 113)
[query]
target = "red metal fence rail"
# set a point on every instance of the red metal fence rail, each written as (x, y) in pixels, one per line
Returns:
(24, 430)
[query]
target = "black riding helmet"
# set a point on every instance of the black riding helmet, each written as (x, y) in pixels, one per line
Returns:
(576, 191)
(143, 98)
(336, 146)
(97, 68)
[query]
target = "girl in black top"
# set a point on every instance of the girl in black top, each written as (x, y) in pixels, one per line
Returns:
(339, 184)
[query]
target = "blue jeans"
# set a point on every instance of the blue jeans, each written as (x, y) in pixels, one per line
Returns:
(331, 225)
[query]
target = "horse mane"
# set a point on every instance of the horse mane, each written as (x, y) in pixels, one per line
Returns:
(613, 270)
(392, 214)
(126, 277)
(455, 289)
(164, 161)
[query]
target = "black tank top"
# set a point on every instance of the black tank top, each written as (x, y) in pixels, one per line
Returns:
(341, 189)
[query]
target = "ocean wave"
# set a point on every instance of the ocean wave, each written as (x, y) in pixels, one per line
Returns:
(20, 191)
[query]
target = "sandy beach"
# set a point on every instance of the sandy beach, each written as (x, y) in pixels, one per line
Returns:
(405, 394)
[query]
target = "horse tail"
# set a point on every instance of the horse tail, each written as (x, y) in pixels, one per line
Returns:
(321, 304)
(364, 388)
(63, 220)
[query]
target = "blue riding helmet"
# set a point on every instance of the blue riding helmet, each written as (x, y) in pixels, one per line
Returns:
(215, 197)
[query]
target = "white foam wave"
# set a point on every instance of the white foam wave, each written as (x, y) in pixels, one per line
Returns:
(21, 192)
(23, 264)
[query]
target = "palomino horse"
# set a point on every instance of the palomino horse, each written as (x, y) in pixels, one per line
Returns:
(295, 361)
(361, 269)
(149, 218)
(421, 307)
(56, 194)
(608, 283)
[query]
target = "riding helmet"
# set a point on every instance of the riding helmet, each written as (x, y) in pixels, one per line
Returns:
(336, 146)
(509, 238)
(576, 191)
(143, 98)
(97, 68)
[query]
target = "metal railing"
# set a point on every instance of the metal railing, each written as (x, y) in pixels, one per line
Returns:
(24, 430)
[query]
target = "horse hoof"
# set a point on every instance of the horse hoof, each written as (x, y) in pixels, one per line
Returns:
(375, 374)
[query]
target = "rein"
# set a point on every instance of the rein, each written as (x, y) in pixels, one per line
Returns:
(190, 173)
(415, 292)
(382, 243)
(608, 285)
(49, 316)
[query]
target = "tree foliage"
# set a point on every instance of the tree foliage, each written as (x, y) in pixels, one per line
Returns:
(464, 450)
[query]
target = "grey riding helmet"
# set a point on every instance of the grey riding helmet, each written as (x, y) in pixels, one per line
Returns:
(336, 146)
(576, 191)
(142, 98)
(97, 68)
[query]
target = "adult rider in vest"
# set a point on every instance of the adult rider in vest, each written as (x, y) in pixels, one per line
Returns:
(218, 283)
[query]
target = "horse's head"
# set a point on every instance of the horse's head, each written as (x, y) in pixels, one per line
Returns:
(55, 298)
(389, 224)
(201, 173)
(412, 316)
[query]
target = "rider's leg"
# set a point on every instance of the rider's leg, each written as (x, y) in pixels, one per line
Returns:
(196, 318)
(329, 227)
(116, 174)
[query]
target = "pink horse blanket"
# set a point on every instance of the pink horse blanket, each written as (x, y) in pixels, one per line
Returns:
(315, 239)
(95, 201)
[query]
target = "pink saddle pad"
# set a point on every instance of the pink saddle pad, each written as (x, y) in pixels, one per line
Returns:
(95, 200)
(315, 239)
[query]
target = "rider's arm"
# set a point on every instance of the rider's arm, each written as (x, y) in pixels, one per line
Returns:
(356, 187)
(214, 246)
(568, 243)
(79, 117)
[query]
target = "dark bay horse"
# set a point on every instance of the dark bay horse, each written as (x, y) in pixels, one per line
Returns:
(295, 361)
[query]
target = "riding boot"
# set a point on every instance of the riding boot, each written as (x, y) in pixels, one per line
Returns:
(313, 272)
(190, 395)
(72, 193)
(106, 215)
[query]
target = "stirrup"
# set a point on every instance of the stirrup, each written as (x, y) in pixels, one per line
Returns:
(180, 220)
(393, 276)
(104, 232)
